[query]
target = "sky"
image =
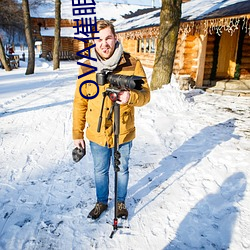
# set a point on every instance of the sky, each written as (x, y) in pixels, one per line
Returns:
(189, 169)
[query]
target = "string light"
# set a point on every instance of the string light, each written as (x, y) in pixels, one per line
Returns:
(218, 25)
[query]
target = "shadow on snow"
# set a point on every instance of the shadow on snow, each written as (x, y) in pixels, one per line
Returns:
(214, 220)
(209, 225)
(23, 110)
(190, 153)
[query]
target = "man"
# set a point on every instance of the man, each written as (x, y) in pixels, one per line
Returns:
(110, 56)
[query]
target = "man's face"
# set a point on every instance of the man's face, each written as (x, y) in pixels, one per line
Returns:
(105, 45)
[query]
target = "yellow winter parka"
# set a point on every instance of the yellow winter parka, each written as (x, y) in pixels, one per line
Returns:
(88, 110)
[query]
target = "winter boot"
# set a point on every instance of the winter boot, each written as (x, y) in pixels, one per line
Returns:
(97, 210)
(122, 211)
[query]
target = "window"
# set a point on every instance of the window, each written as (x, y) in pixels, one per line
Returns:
(152, 45)
(146, 45)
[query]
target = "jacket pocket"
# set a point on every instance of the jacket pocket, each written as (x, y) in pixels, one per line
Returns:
(127, 120)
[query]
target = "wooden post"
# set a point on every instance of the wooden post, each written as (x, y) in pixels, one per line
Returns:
(201, 60)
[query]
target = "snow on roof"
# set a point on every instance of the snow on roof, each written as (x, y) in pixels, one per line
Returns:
(105, 10)
(197, 9)
(192, 10)
(146, 20)
(65, 32)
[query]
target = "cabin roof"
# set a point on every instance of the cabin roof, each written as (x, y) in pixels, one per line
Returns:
(194, 10)
(208, 9)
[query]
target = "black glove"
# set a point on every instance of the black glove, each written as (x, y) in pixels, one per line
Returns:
(78, 153)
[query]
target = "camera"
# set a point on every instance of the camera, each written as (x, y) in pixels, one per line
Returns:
(119, 81)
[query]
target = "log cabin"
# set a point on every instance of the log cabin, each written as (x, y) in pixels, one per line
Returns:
(213, 41)
(43, 31)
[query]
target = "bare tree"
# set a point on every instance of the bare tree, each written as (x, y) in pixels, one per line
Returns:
(169, 27)
(28, 33)
(3, 57)
(56, 59)
(11, 24)
(11, 16)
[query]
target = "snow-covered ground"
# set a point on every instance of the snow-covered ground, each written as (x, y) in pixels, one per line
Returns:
(189, 170)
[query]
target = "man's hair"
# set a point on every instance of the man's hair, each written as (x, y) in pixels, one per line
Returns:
(102, 24)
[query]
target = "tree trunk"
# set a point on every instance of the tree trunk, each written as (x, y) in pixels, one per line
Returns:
(29, 38)
(169, 27)
(56, 59)
(3, 57)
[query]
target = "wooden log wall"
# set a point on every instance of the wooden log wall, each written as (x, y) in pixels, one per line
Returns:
(190, 56)
(47, 45)
(67, 44)
(186, 55)
(129, 45)
(77, 46)
(179, 60)
(209, 58)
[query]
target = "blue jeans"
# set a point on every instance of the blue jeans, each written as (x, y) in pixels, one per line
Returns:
(102, 157)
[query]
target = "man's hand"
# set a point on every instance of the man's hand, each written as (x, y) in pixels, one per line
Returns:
(79, 143)
(123, 97)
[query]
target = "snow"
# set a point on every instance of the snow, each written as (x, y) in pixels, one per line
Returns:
(65, 32)
(145, 20)
(196, 9)
(105, 9)
(189, 169)
(192, 10)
